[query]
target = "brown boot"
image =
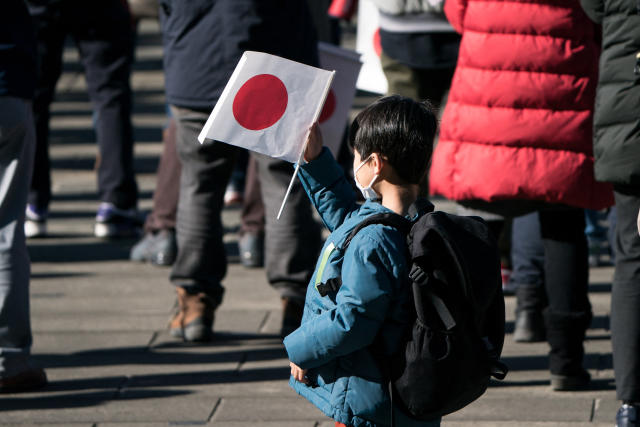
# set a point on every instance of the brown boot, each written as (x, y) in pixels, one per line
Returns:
(193, 320)
(292, 309)
(175, 323)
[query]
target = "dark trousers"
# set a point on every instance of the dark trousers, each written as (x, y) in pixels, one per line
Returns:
(201, 262)
(103, 34)
(625, 296)
(566, 277)
(561, 284)
(252, 206)
(292, 243)
(165, 196)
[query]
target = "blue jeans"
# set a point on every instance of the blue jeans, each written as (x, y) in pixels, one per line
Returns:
(527, 251)
(17, 144)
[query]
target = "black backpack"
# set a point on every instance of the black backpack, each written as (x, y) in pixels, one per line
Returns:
(452, 347)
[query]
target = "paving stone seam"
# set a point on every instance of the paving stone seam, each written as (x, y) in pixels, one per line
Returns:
(593, 410)
(214, 410)
(263, 325)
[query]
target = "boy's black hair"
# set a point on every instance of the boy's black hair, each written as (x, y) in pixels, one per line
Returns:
(400, 129)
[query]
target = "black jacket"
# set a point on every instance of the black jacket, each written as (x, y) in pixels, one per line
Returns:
(204, 39)
(617, 109)
(17, 51)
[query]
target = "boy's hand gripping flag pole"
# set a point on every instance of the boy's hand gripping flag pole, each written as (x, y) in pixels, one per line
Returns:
(304, 144)
(268, 106)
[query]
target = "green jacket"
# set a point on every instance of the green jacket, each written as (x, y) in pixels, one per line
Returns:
(617, 108)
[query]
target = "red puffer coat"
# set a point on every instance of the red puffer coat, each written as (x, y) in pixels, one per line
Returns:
(518, 121)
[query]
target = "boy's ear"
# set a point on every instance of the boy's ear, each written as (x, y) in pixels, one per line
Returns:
(377, 163)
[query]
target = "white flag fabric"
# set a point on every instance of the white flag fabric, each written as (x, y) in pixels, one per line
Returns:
(335, 113)
(372, 77)
(268, 106)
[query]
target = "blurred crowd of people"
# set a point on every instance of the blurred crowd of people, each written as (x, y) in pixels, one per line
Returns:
(540, 135)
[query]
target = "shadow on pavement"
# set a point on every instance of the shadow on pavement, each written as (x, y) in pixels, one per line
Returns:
(75, 136)
(144, 356)
(79, 400)
(142, 163)
(109, 250)
(90, 195)
(595, 385)
(598, 322)
(541, 362)
(55, 275)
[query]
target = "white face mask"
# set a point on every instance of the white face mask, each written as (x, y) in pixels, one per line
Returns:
(367, 192)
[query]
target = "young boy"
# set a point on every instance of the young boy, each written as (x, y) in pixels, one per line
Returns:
(330, 358)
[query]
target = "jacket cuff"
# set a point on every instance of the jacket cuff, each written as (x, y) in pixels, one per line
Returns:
(297, 345)
(321, 172)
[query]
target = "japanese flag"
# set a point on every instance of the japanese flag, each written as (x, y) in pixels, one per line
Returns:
(268, 106)
(335, 113)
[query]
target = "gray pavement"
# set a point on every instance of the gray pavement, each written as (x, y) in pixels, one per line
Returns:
(99, 321)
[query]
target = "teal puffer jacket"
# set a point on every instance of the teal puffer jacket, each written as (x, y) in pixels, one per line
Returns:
(337, 329)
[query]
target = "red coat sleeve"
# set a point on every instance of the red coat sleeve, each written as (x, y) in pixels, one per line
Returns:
(455, 10)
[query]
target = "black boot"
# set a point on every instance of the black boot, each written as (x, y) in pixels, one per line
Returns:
(565, 334)
(529, 325)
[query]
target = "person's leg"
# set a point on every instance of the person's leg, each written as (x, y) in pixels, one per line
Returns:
(625, 296)
(17, 144)
(50, 36)
(104, 36)
(596, 237)
(158, 245)
(568, 313)
(527, 278)
(433, 84)
(234, 194)
(612, 219)
(292, 243)
(165, 198)
(201, 262)
(251, 242)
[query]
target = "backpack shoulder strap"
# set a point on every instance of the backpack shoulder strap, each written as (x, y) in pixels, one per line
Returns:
(386, 218)
(394, 220)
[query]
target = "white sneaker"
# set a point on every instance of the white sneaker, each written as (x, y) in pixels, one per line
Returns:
(35, 223)
(112, 222)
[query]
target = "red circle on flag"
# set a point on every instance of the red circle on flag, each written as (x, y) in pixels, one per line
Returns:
(377, 44)
(260, 102)
(329, 107)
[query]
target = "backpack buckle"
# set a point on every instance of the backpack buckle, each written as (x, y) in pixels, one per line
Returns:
(418, 275)
(331, 285)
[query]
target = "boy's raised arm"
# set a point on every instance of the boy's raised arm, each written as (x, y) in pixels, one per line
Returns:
(324, 181)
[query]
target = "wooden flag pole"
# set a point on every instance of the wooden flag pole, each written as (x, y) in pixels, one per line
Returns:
(304, 146)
